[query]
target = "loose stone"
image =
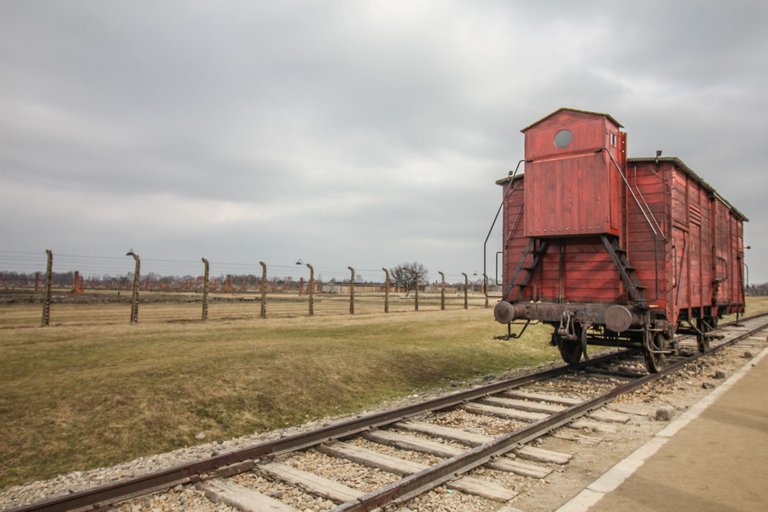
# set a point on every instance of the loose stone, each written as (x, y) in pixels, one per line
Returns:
(664, 413)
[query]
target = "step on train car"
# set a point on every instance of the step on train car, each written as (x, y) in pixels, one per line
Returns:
(614, 251)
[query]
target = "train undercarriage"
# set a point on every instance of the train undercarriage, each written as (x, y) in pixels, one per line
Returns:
(577, 326)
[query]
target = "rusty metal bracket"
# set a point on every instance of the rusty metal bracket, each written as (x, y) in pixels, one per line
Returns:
(512, 336)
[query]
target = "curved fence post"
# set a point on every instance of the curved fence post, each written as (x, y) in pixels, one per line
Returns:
(311, 289)
(352, 292)
(263, 313)
(442, 290)
(47, 293)
(416, 295)
(205, 288)
(136, 284)
(466, 285)
(386, 290)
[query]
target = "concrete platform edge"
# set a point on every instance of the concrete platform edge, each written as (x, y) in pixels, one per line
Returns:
(612, 478)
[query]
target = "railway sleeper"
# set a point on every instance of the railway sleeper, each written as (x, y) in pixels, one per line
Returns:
(417, 444)
(472, 439)
(240, 497)
(396, 465)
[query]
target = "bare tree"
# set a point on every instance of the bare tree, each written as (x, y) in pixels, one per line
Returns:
(408, 275)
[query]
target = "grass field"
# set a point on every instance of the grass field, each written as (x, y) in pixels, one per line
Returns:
(81, 395)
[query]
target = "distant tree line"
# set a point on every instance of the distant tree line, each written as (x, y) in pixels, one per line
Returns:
(757, 289)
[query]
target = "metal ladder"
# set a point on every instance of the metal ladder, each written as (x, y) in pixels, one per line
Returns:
(538, 253)
(627, 271)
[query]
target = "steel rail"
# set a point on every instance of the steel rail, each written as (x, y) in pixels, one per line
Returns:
(450, 469)
(108, 494)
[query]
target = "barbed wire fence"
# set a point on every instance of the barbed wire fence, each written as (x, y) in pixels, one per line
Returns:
(87, 289)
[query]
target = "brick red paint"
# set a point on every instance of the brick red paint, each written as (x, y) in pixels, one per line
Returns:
(571, 195)
(579, 182)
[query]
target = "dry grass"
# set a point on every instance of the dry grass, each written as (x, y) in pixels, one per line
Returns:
(84, 394)
(757, 305)
(76, 397)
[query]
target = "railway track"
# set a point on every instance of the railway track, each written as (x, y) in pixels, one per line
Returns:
(386, 459)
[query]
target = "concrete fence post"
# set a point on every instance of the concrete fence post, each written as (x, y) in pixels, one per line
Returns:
(442, 290)
(136, 285)
(47, 292)
(485, 289)
(205, 288)
(466, 285)
(263, 313)
(416, 294)
(386, 290)
(311, 289)
(352, 291)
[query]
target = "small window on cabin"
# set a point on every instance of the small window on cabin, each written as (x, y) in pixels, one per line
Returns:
(563, 138)
(613, 139)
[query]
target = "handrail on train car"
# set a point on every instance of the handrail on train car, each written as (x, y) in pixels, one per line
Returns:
(637, 201)
(511, 175)
(656, 233)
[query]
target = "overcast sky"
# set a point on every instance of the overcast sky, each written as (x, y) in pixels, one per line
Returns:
(347, 132)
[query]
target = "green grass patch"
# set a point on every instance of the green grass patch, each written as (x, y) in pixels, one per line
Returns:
(79, 397)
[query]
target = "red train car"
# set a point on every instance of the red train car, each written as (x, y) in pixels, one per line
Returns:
(610, 250)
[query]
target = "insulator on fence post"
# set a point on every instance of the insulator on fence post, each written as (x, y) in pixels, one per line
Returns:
(47, 292)
(205, 289)
(386, 290)
(352, 292)
(263, 313)
(136, 284)
(466, 285)
(442, 290)
(311, 289)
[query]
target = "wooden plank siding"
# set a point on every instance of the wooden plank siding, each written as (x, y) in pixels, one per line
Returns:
(515, 241)
(571, 195)
(646, 251)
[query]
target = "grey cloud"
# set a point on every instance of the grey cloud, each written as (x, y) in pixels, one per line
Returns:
(260, 130)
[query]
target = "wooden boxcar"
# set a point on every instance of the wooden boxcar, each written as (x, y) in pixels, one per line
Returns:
(610, 250)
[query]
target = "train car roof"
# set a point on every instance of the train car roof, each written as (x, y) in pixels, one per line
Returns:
(681, 165)
(670, 159)
(609, 116)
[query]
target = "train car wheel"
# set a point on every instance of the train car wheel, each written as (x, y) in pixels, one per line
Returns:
(653, 351)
